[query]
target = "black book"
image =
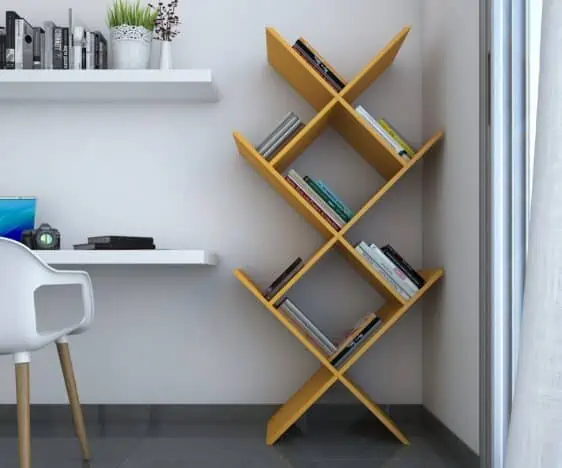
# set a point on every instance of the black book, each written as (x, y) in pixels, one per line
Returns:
(65, 48)
(10, 57)
(321, 64)
(57, 48)
(283, 279)
(2, 48)
(97, 60)
(403, 265)
(318, 69)
(122, 239)
(37, 62)
(345, 352)
(118, 246)
(103, 51)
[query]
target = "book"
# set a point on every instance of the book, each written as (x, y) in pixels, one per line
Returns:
(110, 247)
(42, 46)
(382, 132)
(78, 38)
(326, 188)
(414, 276)
(49, 28)
(281, 127)
(65, 48)
(307, 325)
(89, 39)
(10, 58)
(397, 274)
(316, 57)
(284, 142)
(312, 203)
(326, 197)
(103, 61)
(362, 330)
(379, 269)
(37, 65)
(283, 139)
(317, 67)
(397, 137)
(97, 44)
(113, 239)
(283, 279)
(70, 39)
(57, 48)
(2, 48)
(294, 175)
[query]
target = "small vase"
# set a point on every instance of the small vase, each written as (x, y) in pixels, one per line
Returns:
(166, 55)
(131, 47)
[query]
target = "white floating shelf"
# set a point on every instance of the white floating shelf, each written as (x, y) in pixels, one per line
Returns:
(128, 257)
(108, 85)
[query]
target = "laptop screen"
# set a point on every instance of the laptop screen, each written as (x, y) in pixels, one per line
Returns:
(16, 215)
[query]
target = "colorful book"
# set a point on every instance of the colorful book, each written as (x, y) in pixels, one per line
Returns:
(399, 139)
(326, 197)
(283, 279)
(326, 188)
(366, 327)
(416, 278)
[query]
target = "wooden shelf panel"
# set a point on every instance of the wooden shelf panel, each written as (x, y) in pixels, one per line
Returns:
(375, 409)
(299, 403)
(366, 141)
(281, 186)
(364, 268)
(295, 330)
(298, 73)
(390, 314)
(390, 183)
(304, 139)
(377, 66)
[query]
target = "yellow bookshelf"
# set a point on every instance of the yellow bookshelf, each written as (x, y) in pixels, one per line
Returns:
(335, 110)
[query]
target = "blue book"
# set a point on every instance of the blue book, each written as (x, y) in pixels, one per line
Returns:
(337, 200)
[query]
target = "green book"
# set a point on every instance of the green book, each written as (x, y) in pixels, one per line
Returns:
(394, 134)
(331, 203)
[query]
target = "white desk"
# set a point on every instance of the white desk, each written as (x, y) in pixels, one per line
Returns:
(128, 257)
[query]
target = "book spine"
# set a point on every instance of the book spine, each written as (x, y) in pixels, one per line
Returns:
(356, 330)
(283, 279)
(394, 134)
(326, 188)
(379, 269)
(282, 140)
(97, 60)
(19, 44)
(318, 60)
(287, 121)
(43, 49)
(397, 274)
(89, 51)
(301, 326)
(377, 127)
(312, 203)
(2, 49)
(36, 48)
(49, 44)
(331, 203)
(103, 52)
(317, 68)
(312, 194)
(78, 35)
(57, 48)
(309, 325)
(10, 57)
(403, 265)
(65, 48)
(346, 352)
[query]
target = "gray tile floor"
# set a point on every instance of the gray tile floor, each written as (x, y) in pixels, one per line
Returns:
(359, 444)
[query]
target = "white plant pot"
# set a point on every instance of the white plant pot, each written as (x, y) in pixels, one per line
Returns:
(131, 47)
(166, 55)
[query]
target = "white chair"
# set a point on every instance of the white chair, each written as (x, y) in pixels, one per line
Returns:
(21, 273)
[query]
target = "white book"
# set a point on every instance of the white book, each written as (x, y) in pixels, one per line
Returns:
(293, 311)
(89, 50)
(317, 199)
(19, 27)
(78, 38)
(49, 27)
(382, 132)
(379, 269)
(397, 274)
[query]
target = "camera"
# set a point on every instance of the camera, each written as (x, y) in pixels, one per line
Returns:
(44, 237)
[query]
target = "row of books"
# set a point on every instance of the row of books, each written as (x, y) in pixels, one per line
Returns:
(337, 354)
(388, 133)
(305, 50)
(322, 198)
(50, 47)
(284, 132)
(388, 263)
(117, 243)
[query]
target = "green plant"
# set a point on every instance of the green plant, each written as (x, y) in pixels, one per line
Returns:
(133, 14)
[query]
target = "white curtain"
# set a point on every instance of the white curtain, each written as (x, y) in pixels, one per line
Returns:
(535, 436)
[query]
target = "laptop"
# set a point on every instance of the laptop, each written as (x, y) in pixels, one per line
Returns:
(16, 215)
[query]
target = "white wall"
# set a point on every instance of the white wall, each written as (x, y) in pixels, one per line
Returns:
(195, 335)
(451, 214)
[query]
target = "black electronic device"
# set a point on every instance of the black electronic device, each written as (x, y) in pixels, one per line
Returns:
(44, 237)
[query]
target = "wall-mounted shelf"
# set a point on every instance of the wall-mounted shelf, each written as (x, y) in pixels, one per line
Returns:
(108, 85)
(129, 257)
(333, 109)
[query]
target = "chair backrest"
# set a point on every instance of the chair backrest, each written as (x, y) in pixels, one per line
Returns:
(21, 273)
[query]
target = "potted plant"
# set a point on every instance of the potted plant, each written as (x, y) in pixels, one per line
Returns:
(166, 28)
(132, 27)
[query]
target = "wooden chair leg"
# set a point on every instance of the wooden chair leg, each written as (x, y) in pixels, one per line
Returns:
(72, 391)
(24, 423)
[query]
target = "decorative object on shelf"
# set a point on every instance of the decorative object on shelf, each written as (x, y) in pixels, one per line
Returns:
(166, 28)
(132, 27)
(44, 237)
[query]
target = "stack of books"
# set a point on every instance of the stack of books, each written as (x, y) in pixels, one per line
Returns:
(388, 263)
(337, 355)
(117, 243)
(50, 47)
(305, 50)
(283, 279)
(322, 198)
(280, 136)
(389, 134)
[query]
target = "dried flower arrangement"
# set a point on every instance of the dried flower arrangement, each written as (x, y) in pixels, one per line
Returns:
(166, 25)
